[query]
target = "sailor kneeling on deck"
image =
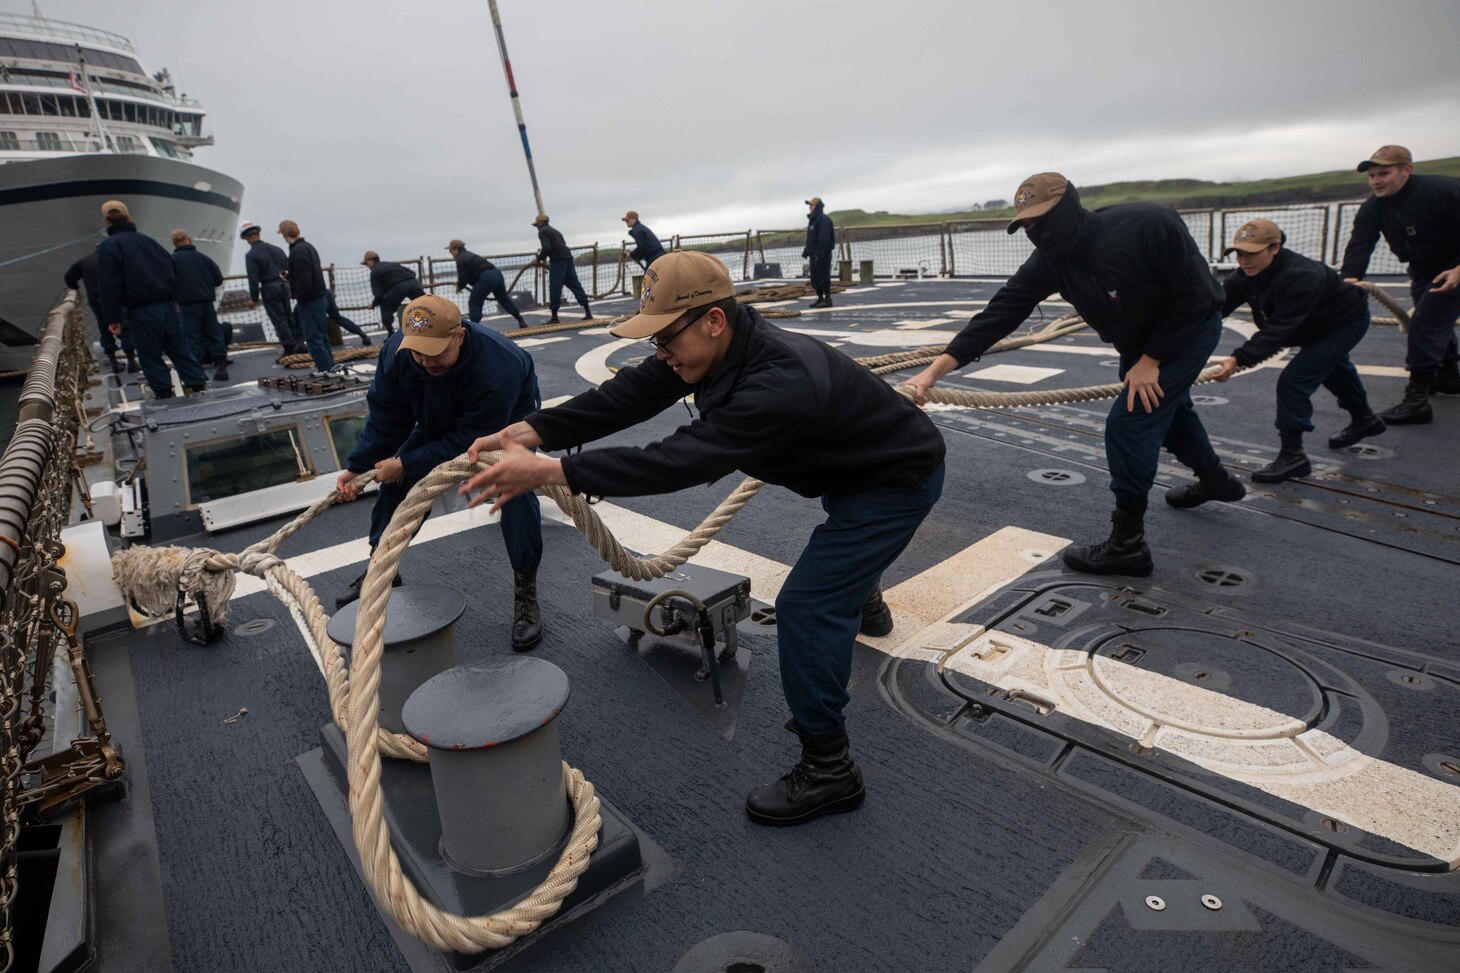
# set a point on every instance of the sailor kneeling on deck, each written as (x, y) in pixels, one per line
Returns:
(441, 383)
(789, 410)
(1297, 303)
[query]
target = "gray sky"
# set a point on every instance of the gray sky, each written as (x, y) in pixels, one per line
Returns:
(387, 125)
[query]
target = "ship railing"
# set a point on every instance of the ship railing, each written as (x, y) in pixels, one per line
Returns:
(976, 247)
(38, 479)
(63, 30)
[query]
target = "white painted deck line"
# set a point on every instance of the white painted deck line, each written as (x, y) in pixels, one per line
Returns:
(1014, 374)
(535, 342)
(932, 323)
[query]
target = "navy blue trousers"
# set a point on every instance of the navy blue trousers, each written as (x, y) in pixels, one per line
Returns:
(332, 313)
(1432, 327)
(199, 321)
(312, 327)
(394, 297)
(109, 340)
(819, 609)
(521, 523)
(562, 272)
(820, 270)
(491, 283)
(1133, 438)
(274, 295)
(1323, 362)
(156, 331)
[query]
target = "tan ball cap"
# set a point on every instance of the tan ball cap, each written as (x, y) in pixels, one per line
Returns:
(1387, 155)
(673, 284)
(369, 256)
(1255, 236)
(429, 325)
(814, 201)
(1036, 196)
(539, 219)
(456, 245)
(630, 215)
(115, 207)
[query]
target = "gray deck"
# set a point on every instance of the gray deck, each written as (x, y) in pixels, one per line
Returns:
(1011, 841)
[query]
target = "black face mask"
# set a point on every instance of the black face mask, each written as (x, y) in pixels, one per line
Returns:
(1058, 233)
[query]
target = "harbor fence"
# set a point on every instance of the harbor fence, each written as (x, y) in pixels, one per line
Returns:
(949, 248)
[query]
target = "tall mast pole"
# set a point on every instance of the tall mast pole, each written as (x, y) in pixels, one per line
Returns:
(516, 102)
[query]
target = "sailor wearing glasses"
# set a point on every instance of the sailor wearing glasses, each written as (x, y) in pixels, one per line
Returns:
(784, 408)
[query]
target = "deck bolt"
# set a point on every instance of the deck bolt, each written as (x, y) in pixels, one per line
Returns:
(1155, 903)
(1211, 902)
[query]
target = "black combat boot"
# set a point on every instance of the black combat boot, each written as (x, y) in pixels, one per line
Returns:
(220, 374)
(1291, 461)
(554, 319)
(824, 781)
(1362, 427)
(132, 366)
(1447, 380)
(353, 590)
(587, 314)
(1124, 552)
(876, 616)
(1414, 408)
(164, 394)
(111, 356)
(1213, 484)
(521, 323)
(526, 619)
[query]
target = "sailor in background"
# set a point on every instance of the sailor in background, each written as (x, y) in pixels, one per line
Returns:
(1297, 303)
(82, 272)
(267, 268)
(391, 285)
(820, 241)
(789, 410)
(1419, 217)
(1133, 272)
(333, 313)
(440, 384)
(311, 296)
(134, 275)
(485, 280)
(647, 247)
(195, 288)
(554, 249)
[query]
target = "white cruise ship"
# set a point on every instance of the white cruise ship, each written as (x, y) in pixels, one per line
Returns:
(82, 121)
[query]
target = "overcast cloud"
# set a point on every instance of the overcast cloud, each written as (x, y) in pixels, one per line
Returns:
(388, 126)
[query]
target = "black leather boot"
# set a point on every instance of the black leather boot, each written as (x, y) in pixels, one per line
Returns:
(353, 591)
(1447, 380)
(554, 319)
(824, 781)
(1290, 464)
(132, 366)
(1362, 427)
(587, 314)
(526, 619)
(1414, 408)
(1213, 484)
(876, 616)
(220, 374)
(1124, 552)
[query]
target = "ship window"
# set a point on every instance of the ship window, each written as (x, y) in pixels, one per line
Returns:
(9, 141)
(31, 104)
(129, 111)
(226, 469)
(48, 141)
(49, 105)
(128, 145)
(344, 434)
(165, 148)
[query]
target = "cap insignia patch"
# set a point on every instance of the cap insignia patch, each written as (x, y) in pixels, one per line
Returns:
(419, 319)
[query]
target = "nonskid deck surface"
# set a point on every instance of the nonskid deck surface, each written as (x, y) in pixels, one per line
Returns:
(1207, 729)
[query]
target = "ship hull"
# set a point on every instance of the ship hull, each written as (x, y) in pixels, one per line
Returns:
(50, 216)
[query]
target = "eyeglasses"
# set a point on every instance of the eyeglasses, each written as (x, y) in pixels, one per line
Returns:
(663, 346)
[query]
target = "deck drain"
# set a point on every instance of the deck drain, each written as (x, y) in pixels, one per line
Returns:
(254, 626)
(763, 616)
(1155, 903)
(1446, 766)
(1369, 451)
(1224, 577)
(1209, 400)
(1056, 477)
(1337, 827)
(743, 952)
(1410, 679)
(1211, 902)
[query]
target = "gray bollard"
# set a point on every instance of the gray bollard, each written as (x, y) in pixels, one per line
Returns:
(866, 269)
(491, 734)
(418, 642)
